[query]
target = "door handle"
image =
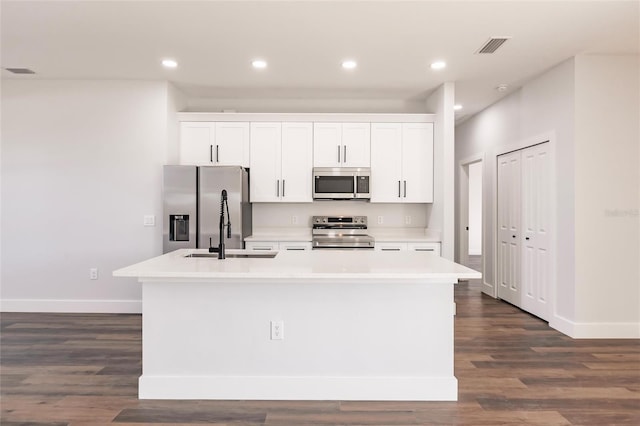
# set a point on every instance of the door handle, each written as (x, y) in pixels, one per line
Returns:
(338, 153)
(399, 190)
(217, 153)
(278, 188)
(282, 188)
(405, 189)
(513, 236)
(467, 228)
(211, 153)
(526, 238)
(344, 157)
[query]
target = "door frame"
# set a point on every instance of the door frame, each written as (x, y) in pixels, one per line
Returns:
(463, 210)
(549, 137)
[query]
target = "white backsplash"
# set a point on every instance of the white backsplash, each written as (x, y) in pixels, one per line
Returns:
(276, 215)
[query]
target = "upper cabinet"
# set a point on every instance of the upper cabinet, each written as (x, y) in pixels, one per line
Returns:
(281, 162)
(214, 143)
(341, 145)
(402, 162)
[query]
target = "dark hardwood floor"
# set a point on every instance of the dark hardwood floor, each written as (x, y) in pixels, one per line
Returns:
(72, 369)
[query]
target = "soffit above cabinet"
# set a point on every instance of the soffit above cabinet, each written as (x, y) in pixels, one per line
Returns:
(308, 117)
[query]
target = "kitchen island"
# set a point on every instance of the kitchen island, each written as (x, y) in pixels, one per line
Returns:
(305, 325)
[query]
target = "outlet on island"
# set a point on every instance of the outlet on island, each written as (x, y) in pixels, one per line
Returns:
(277, 330)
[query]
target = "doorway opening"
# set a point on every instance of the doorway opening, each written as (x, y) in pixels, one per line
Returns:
(470, 226)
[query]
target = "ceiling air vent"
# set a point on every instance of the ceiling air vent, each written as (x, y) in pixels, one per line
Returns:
(20, 70)
(492, 44)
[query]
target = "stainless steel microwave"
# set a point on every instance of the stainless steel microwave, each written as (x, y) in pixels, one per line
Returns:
(341, 183)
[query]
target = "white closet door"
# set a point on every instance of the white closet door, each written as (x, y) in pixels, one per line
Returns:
(536, 172)
(509, 228)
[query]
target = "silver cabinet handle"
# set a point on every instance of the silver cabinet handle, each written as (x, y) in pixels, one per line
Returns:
(405, 189)
(424, 249)
(344, 157)
(338, 153)
(295, 248)
(211, 153)
(278, 188)
(282, 188)
(390, 249)
(217, 153)
(399, 190)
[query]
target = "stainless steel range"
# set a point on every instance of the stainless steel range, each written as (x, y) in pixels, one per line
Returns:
(341, 232)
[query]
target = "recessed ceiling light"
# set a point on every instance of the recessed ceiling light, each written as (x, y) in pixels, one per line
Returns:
(259, 64)
(502, 88)
(457, 107)
(438, 65)
(349, 64)
(169, 63)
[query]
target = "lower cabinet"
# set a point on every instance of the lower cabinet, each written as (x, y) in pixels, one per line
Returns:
(278, 245)
(404, 246)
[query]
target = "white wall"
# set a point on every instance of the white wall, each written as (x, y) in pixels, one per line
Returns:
(607, 196)
(475, 208)
(557, 106)
(442, 218)
(81, 166)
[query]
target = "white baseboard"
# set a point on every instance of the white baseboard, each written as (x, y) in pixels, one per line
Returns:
(72, 306)
(299, 388)
(596, 330)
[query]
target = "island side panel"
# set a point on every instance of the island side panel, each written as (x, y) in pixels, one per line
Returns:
(343, 340)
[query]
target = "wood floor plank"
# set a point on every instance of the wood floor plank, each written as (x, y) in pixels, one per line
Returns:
(512, 369)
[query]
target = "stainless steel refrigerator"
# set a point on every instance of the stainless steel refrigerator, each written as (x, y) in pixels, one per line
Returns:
(191, 199)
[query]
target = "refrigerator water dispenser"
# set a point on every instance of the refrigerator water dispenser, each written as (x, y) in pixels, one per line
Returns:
(179, 227)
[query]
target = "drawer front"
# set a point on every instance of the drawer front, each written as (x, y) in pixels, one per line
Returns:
(429, 247)
(391, 246)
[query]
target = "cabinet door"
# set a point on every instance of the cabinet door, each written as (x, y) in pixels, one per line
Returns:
(428, 247)
(197, 140)
(295, 246)
(327, 144)
(265, 180)
(390, 246)
(232, 144)
(261, 245)
(386, 162)
(356, 145)
(417, 162)
(297, 162)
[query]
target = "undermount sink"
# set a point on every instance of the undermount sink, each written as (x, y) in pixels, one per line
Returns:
(265, 255)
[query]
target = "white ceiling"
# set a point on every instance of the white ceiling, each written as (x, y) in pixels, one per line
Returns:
(304, 43)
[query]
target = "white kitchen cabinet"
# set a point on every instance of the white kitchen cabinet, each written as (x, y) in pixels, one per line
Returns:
(262, 245)
(278, 245)
(402, 162)
(428, 247)
(214, 143)
(341, 145)
(281, 162)
(407, 246)
(386, 246)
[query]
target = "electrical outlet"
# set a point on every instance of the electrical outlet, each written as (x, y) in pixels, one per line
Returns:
(149, 220)
(93, 273)
(277, 330)
(380, 220)
(294, 220)
(407, 220)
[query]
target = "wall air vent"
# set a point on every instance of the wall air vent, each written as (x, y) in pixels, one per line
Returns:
(20, 70)
(492, 44)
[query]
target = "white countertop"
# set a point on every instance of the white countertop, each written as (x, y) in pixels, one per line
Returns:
(308, 264)
(417, 235)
